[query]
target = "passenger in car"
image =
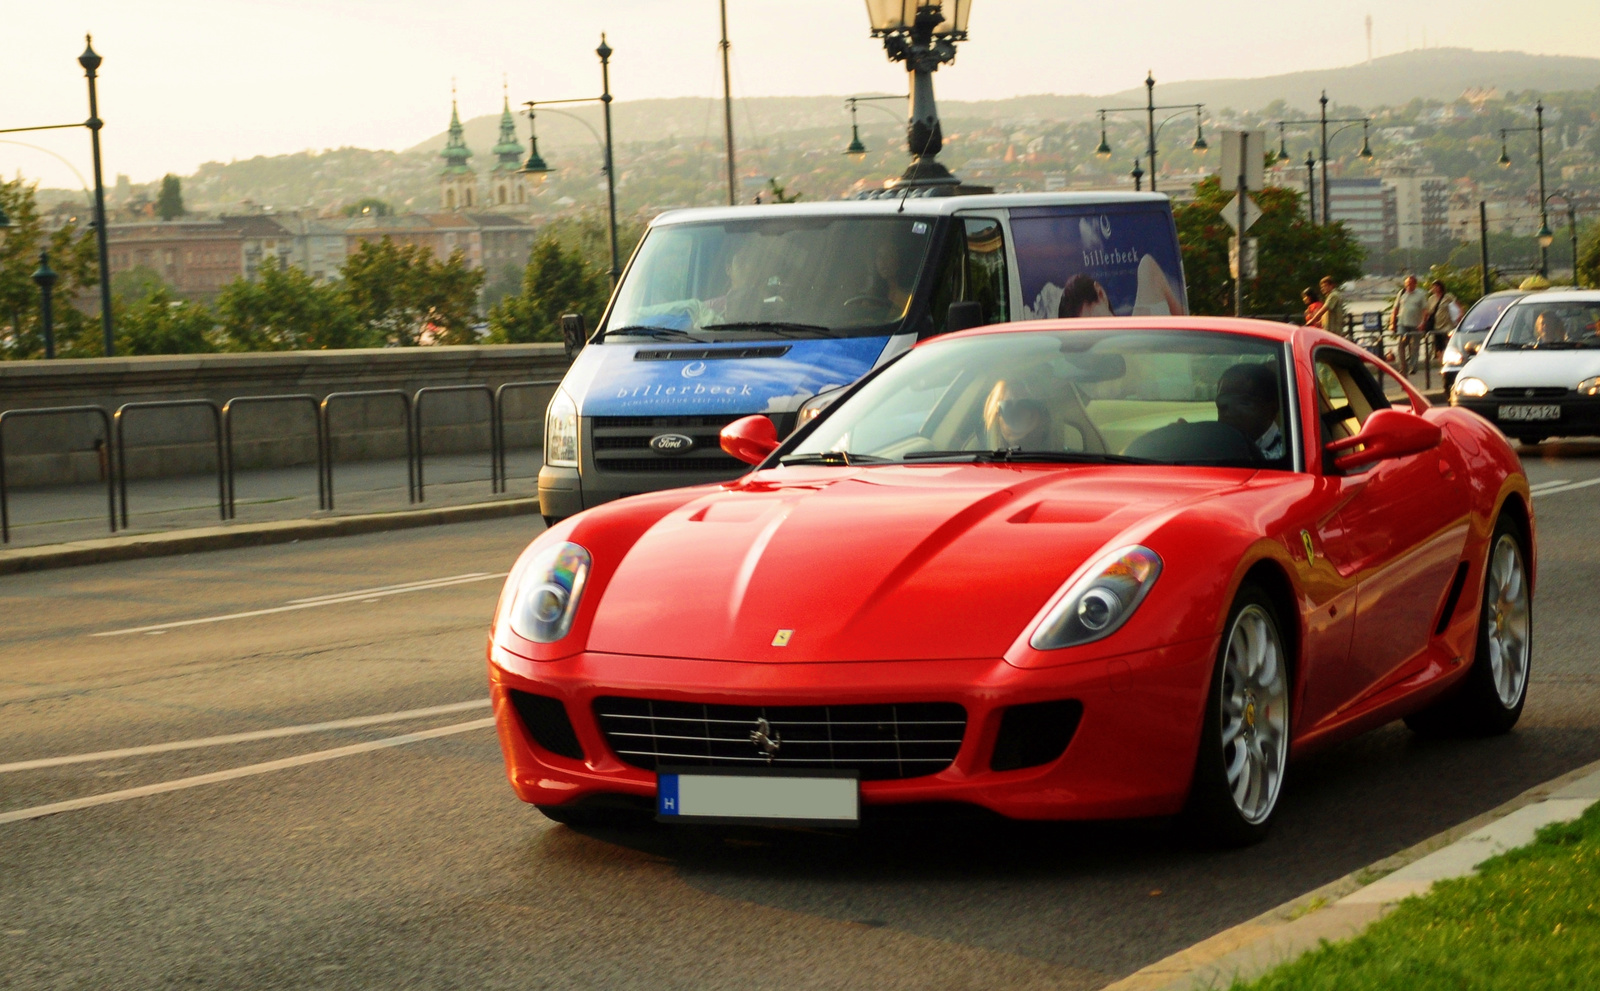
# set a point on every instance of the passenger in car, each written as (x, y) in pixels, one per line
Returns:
(1247, 401)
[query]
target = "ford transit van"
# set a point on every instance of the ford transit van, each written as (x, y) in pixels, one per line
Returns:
(726, 312)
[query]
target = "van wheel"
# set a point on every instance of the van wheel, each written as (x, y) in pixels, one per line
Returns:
(1244, 744)
(550, 521)
(1488, 700)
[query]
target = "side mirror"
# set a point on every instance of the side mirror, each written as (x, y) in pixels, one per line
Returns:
(1388, 433)
(573, 333)
(750, 439)
(963, 316)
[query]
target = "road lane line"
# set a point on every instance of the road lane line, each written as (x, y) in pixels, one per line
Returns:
(261, 734)
(347, 597)
(1549, 484)
(390, 588)
(1570, 487)
(249, 770)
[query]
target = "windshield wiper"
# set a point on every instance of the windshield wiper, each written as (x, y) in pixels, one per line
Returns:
(796, 329)
(1006, 455)
(644, 330)
(834, 458)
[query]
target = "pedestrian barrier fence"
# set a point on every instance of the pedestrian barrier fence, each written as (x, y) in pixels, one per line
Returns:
(316, 419)
(111, 475)
(494, 429)
(120, 417)
(500, 417)
(411, 436)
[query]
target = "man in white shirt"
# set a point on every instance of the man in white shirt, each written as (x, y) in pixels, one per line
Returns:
(1247, 400)
(1405, 319)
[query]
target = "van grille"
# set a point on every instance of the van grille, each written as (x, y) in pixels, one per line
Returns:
(881, 742)
(622, 444)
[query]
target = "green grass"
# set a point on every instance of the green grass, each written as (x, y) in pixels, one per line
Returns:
(1528, 920)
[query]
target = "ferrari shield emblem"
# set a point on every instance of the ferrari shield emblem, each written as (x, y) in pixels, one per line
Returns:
(1311, 552)
(782, 639)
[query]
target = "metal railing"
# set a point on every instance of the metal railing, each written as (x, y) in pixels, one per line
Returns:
(316, 428)
(500, 417)
(325, 424)
(120, 417)
(111, 474)
(494, 431)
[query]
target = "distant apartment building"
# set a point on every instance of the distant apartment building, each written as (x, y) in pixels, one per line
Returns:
(1422, 208)
(1367, 207)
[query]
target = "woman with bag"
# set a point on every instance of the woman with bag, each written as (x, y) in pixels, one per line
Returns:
(1441, 316)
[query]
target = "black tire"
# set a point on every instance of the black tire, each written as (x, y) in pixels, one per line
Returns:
(1474, 706)
(1530, 441)
(550, 521)
(1212, 813)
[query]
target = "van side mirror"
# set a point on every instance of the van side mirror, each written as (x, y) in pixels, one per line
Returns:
(1388, 433)
(964, 316)
(750, 439)
(573, 333)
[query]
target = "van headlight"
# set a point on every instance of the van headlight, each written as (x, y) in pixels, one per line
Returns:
(1101, 601)
(1589, 387)
(561, 431)
(548, 589)
(1471, 387)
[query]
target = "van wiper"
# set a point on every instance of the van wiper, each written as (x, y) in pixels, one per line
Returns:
(1007, 455)
(795, 329)
(834, 458)
(644, 330)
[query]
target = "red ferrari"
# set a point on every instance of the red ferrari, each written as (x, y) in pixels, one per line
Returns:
(1060, 570)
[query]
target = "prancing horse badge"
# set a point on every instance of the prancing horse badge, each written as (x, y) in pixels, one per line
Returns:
(782, 639)
(1311, 551)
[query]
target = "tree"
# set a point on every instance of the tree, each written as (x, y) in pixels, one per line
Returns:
(1589, 257)
(285, 310)
(779, 193)
(161, 323)
(136, 283)
(1294, 254)
(556, 281)
(169, 204)
(369, 206)
(72, 257)
(402, 295)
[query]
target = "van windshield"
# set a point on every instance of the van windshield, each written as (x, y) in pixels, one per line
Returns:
(774, 276)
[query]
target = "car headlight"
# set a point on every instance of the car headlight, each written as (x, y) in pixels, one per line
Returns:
(1452, 356)
(1471, 387)
(548, 590)
(1589, 387)
(561, 431)
(1471, 348)
(1101, 601)
(816, 404)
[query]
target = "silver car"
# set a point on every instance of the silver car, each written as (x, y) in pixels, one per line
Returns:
(1538, 373)
(1468, 336)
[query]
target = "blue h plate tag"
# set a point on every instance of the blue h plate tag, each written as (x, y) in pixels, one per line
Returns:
(778, 796)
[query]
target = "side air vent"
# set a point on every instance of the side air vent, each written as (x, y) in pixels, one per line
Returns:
(546, 721)
(1035, 734)
(709, 354)
(1452, 599)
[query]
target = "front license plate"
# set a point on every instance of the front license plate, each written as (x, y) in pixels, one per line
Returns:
(807, 798)
(1530, 412)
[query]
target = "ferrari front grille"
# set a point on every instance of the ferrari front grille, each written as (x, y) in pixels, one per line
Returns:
(881, 742)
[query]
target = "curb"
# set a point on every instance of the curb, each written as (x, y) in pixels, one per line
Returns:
(1343, 908)
(215, 538)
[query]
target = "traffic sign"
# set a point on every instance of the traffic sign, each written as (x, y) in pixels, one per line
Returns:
(1243, 152)
(1252, 257)
(1252, 213)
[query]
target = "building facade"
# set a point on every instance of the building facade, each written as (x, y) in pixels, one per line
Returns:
(1368, 208)
(1422, 208)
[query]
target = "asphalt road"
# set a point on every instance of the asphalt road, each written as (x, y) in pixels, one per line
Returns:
(393, 854)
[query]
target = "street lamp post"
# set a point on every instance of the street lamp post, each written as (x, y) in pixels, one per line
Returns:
(90, 60)
(1311, 186)
(727, 103)
(923, 35)
(45, 278)
(1322, 121)
(856, 149)
(1152, 130)
(1547, 237)
(1138, 175)
(536, 169)
(1505, 163)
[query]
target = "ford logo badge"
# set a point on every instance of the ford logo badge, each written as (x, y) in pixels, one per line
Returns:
(671, 443)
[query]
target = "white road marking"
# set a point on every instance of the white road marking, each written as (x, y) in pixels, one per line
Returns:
(1569, 487)
(179, 784)
(359, 596)
(1548, 484)
(403, 586)
(260, 734)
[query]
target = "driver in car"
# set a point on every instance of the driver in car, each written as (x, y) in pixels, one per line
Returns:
(1015, 417)
(1247, 401)
(1549, 329)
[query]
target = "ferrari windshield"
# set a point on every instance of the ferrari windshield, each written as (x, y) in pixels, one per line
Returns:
(801, 275)
(1167, 397)
(1555, 325)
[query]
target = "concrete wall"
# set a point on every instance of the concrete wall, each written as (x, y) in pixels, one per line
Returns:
(60, 449)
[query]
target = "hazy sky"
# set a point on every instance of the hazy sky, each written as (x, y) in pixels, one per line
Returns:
(187, 81)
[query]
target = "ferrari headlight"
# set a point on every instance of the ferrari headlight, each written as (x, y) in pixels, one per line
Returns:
(1101, 601)
(548, 591)
(561, 431)
(1471, 387)
(1589, 387)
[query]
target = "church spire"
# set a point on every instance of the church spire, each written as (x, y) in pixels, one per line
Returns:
(455, 152)
(508, 151)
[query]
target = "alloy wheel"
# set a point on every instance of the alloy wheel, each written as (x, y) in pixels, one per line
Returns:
(1255, 714)
(1506, 617)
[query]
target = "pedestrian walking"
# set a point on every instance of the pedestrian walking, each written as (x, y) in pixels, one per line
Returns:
(1405, 320)
(1332, 307)
(1313, 301)
(1442, 315)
